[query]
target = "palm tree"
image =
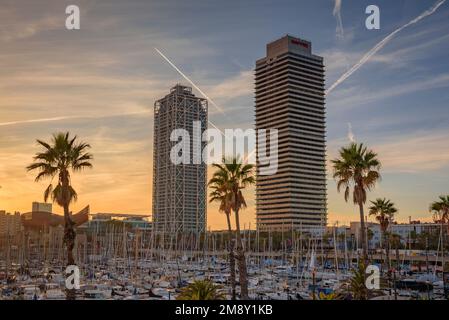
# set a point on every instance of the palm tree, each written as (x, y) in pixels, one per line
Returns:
(384, 211)
(236, 177)
(201, 290)
(440, 211)
(331, 296)
(58, 159)
(357, 283)
(357, 167)
(221, 195)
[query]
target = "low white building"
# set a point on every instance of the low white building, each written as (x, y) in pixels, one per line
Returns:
(404, 230)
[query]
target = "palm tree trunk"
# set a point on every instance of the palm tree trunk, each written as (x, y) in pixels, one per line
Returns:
(231, 255)
(69, 240)
(397, 256)
(69, 232)
(443, 262)
(387, 249)
(69, 235)
(363, 233)
(241, 260)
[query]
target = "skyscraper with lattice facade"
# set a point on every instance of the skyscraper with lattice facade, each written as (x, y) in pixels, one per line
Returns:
(179, 190)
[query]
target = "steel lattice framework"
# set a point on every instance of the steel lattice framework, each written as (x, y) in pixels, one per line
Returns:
(179, 191)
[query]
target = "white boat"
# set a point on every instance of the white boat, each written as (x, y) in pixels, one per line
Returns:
(54, 294)
(162, 293)
(30, 292)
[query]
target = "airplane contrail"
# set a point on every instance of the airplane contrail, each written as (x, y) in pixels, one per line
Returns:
(381, 44)
(190, 81)
(196, 87)
(11, 123)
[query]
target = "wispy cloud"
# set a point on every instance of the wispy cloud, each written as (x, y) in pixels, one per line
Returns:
(340, 33)
(381, 44)
(357, 96)
(234, 87)
(351, 136)
(28, 29)
(422, 151)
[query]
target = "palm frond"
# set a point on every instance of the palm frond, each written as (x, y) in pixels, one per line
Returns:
(48, 192)
(227, 181)
(59, 156)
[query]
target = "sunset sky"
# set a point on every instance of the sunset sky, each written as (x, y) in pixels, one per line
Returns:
(100, 83)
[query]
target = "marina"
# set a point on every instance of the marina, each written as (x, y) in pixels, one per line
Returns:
(118, 264)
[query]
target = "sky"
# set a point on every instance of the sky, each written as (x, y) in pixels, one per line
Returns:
(101, 82)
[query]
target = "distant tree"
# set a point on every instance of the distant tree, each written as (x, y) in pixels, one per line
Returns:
(440, 211)
(384, 211)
